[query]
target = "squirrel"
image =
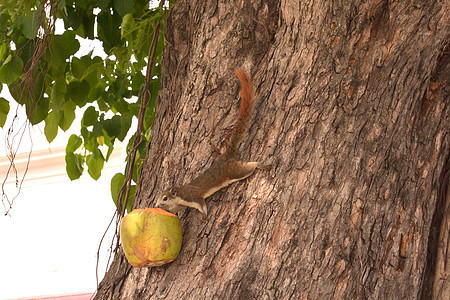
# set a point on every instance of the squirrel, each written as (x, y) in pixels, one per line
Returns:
(225, 170)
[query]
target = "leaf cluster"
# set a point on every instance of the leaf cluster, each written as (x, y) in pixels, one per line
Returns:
(46, 73)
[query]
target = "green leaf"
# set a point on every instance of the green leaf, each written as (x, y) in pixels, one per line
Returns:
(110, 150)
(120, 86)
(89, 117)
(73, 143)
(64, 46)
(95, 164)
(107, 140)
(4, 20)
(112, 126)
(78, 91)
(57, 97)
(67, 115)
(88, 25)
(37, 112)
(137, 81)
(90, 140)
(137, 167)
(27, 50)
(116, 184)
(91, 66)
(131, 196)
(98, 128)
(78, 67)
(102, 4)
(125, 123)
(3, 51)
(160, 44)
(51, 125)
(4, 110)
(30, 25)
(122, 106)
(11, 69)
(75, 17)
(150, 112)
(109, 31)
(127, 25)
(95, 94)
(35, 101)
(123, 7)
(74, 165)
(154, 87)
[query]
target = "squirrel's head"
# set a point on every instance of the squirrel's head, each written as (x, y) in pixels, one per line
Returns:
(170, 200)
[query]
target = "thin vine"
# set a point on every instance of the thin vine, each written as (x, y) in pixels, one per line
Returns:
(131, 157)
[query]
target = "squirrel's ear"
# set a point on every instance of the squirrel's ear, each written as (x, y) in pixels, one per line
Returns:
(173, 191)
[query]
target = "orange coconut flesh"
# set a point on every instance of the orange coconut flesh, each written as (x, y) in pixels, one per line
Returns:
(157, 210)
(150, 237)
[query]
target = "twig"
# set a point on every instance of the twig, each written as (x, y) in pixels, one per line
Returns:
(120, 210)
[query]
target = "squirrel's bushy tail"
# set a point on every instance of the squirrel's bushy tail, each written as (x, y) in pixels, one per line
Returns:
(245, 113)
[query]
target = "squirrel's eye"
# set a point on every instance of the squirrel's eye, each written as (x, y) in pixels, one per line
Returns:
(164, 198)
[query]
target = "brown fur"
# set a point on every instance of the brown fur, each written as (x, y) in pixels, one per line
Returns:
(244, 115)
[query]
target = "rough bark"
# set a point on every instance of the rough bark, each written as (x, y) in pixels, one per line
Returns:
(353, 115)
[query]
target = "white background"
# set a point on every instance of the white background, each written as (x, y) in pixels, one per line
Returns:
(49, 242)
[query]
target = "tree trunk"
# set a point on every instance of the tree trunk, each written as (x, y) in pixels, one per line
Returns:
(352, 113)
